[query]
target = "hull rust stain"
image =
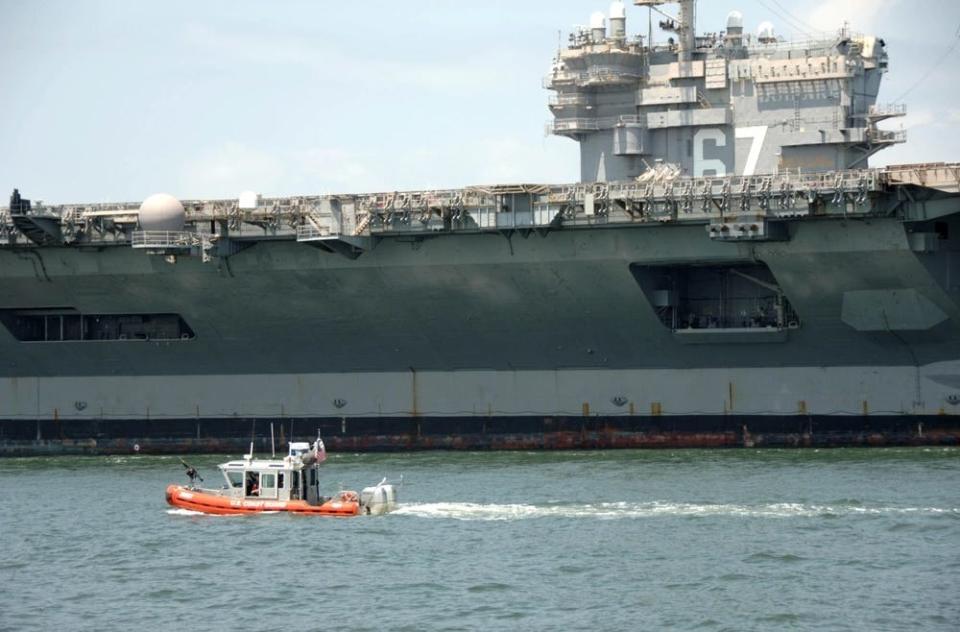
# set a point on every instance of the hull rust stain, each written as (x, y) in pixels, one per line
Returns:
(21, 438)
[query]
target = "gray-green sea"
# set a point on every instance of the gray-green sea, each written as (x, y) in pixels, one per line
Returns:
(645, 540)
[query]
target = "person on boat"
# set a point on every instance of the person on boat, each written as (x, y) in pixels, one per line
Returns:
(253, 488)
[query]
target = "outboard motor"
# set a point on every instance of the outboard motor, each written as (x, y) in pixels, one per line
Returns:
(375, 501)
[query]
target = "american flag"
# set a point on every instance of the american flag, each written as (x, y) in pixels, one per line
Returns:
(320, 450)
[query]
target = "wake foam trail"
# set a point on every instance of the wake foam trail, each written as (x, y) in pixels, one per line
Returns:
(625, 510)
(188, 512)
(183, 512)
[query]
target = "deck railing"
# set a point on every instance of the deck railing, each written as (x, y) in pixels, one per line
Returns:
(165, 239)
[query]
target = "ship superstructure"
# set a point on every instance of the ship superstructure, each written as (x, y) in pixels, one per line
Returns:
(730, 271)
(718, 104)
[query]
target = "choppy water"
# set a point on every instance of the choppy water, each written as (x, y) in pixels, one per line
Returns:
(686, 540)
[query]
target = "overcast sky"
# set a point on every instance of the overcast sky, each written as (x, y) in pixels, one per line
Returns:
(113, 100)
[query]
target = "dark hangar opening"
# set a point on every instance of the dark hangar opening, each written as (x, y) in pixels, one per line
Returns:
(717, 296)
(69, 325)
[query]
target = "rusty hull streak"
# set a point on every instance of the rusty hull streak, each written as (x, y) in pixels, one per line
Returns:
(593, 440)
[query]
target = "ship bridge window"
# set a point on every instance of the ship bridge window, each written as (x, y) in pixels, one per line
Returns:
(716, 297)
(69, 325)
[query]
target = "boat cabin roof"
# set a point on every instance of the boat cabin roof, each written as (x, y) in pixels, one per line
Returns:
(293, 461)
(261, 465)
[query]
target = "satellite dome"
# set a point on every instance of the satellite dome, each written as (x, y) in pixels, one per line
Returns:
(162, 212)
(598, 21)
(765, 32)
(734, 20)
(617, 10)
(248, 200)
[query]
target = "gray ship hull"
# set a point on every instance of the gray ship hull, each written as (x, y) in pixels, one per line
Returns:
(567, 300)
(551, 331)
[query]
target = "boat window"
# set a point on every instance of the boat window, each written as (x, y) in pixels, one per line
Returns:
(253, 483)
(268, 481)
(235, 478)
(280, 478)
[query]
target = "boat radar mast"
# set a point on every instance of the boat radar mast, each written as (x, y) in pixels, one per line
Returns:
(684, 25)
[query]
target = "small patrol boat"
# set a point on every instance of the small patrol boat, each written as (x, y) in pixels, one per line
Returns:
(290, 484)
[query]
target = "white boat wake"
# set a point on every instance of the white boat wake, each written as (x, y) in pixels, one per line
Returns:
(183, 512)
(627, 510)
(187, 512)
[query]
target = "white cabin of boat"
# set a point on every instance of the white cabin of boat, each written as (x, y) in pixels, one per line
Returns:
(294, 477)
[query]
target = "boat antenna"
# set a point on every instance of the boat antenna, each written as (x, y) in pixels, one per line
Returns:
(273, 445)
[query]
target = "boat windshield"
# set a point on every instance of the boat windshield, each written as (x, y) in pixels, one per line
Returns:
(235, 479)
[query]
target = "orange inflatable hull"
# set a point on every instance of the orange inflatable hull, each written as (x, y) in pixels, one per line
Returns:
(345, 505)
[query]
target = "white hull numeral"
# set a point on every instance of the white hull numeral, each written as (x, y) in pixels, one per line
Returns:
(758, 134)
(718, 168)
(700, 165)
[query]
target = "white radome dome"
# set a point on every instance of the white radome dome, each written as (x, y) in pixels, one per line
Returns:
(248, 200)
(617, 10)
(734, 20)
(162, 212)
(765, 31)
(598, 21)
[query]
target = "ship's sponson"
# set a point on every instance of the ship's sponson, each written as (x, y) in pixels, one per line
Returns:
(733, 208)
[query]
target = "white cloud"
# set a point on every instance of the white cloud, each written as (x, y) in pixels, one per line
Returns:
(942, 119)
(861, 15)
(918, 118)
(332, 63)
(510, 161)
(330, 169)
(225, 171)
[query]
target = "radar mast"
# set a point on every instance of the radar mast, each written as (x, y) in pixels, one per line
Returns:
(684, 25)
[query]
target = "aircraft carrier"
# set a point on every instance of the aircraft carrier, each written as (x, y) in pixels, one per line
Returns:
(730, 271)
